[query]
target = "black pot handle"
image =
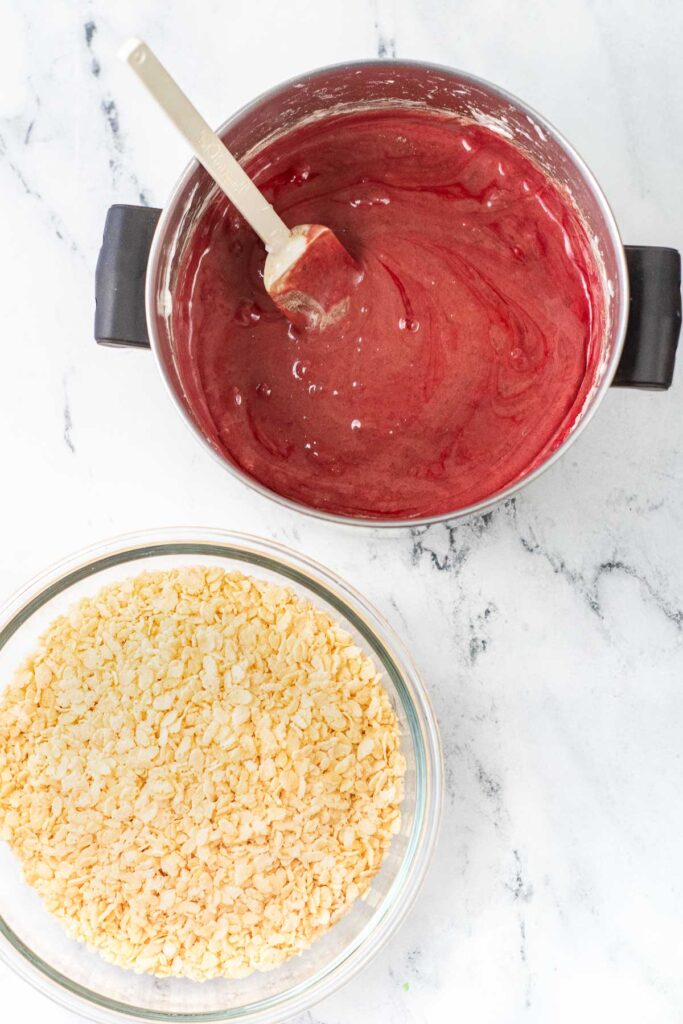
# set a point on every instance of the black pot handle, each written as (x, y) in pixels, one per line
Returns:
(654, 319)
(120, 276)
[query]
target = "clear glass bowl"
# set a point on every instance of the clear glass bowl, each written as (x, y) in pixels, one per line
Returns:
(35, 945)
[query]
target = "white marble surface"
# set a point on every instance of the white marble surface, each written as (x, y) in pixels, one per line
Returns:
(550, 633)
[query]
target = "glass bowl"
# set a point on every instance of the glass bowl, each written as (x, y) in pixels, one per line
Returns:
(33, 943)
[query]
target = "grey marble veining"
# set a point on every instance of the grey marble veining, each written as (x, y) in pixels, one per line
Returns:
(549, 631)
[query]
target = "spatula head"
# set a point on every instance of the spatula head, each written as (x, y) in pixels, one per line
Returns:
(312, 278)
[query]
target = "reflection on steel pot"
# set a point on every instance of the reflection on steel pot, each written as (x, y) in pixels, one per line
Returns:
(631, 309)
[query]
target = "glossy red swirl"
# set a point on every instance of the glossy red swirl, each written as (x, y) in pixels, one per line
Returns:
(470, 344)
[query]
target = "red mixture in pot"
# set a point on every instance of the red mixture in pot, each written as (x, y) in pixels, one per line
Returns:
(471, 341)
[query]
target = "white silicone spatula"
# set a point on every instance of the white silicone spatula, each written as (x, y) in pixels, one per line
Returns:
(308, 273)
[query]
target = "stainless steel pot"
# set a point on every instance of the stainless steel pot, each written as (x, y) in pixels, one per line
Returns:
(141, 248)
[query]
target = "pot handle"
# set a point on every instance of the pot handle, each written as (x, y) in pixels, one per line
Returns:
(654, 319)
(120, 318)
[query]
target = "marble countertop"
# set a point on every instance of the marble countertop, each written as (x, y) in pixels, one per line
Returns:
(549, 632)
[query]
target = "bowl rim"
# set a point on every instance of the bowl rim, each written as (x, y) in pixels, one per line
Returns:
(394, 65)
(126, 549)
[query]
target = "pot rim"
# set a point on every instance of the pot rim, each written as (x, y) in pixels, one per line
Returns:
(156, 253)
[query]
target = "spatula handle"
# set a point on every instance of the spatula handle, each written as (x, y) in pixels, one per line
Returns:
(207, 147)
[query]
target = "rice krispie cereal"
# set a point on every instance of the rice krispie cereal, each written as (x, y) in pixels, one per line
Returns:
(199, 772)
